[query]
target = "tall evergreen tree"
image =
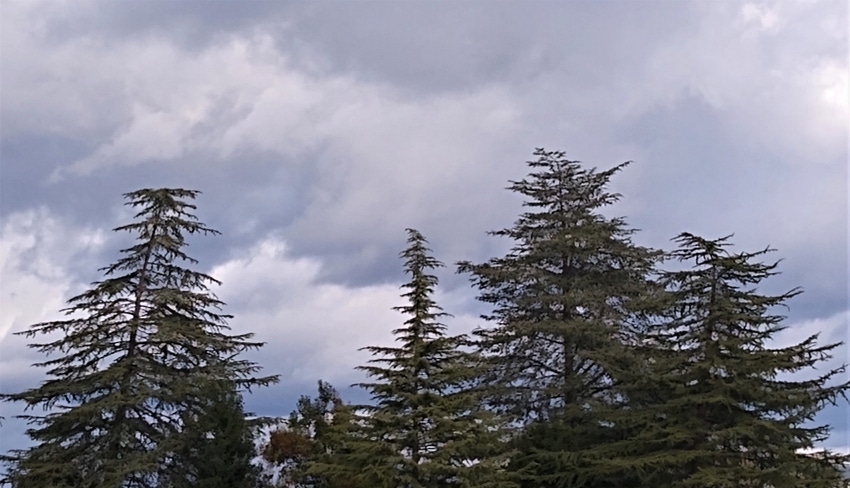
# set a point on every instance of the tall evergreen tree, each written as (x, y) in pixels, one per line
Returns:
(215, 448)
(716, 405)
(564, 302)
(426, 429)
(136, 353)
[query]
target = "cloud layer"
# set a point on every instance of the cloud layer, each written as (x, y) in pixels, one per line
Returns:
(319, 131)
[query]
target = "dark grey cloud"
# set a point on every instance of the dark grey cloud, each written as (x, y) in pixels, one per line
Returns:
(563, 61)
(428, 46)
(423, 46)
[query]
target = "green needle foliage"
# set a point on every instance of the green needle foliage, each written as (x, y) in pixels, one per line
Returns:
(425, 428)
(715, 405)
(565, 299)
(216, 446)
(135, 357)
(309, 434)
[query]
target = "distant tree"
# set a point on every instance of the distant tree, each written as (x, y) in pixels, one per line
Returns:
(337, 458)
(716, 405)
(307, 436)
(566, 299)
(136, 356)
(426, 428)
(215, 448)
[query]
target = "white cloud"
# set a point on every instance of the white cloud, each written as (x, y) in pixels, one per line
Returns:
(832, 79)
(35, 252)
(395, 163)
(62, 89)
(771, 80)
(385, 159)
(313, 329)
(165, 103)
(762, 16)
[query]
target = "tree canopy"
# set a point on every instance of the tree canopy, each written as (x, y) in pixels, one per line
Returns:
(714, 403)
(132, 362)
(597, 363)
(426, 427)
(564, 302)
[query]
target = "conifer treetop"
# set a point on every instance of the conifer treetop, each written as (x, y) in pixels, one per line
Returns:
(714, 402)
(132, 360)
(425, 428)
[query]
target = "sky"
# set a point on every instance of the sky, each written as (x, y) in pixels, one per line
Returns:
(319, 131)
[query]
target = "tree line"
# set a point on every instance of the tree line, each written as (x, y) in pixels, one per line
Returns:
(600, 363)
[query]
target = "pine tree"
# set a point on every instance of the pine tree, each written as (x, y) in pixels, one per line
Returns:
(716, 405)
(137, 352)
(215, 448)
(426, 428)
(309, 434)
(566, 298)
(343, 455)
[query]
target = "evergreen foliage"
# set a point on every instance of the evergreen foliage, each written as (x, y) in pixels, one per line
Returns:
(309, 434)
(715, 405)
(426, 429)
(137, 353)
(566, 298)
(215, 448)
(596, 369)
(342, 454)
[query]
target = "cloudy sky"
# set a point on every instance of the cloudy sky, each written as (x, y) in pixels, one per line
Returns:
(318, 131)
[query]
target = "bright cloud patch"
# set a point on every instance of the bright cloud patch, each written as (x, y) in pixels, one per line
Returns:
(313, 329)
(763, 17)
(240, 92)
(35, 250)
(769, 79)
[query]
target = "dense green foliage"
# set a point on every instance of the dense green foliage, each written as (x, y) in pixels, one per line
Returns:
(215, 448)
(426, 428)
(133, 362)
(594, 367)
(312, 432)
(565, 298)
(713, 404)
